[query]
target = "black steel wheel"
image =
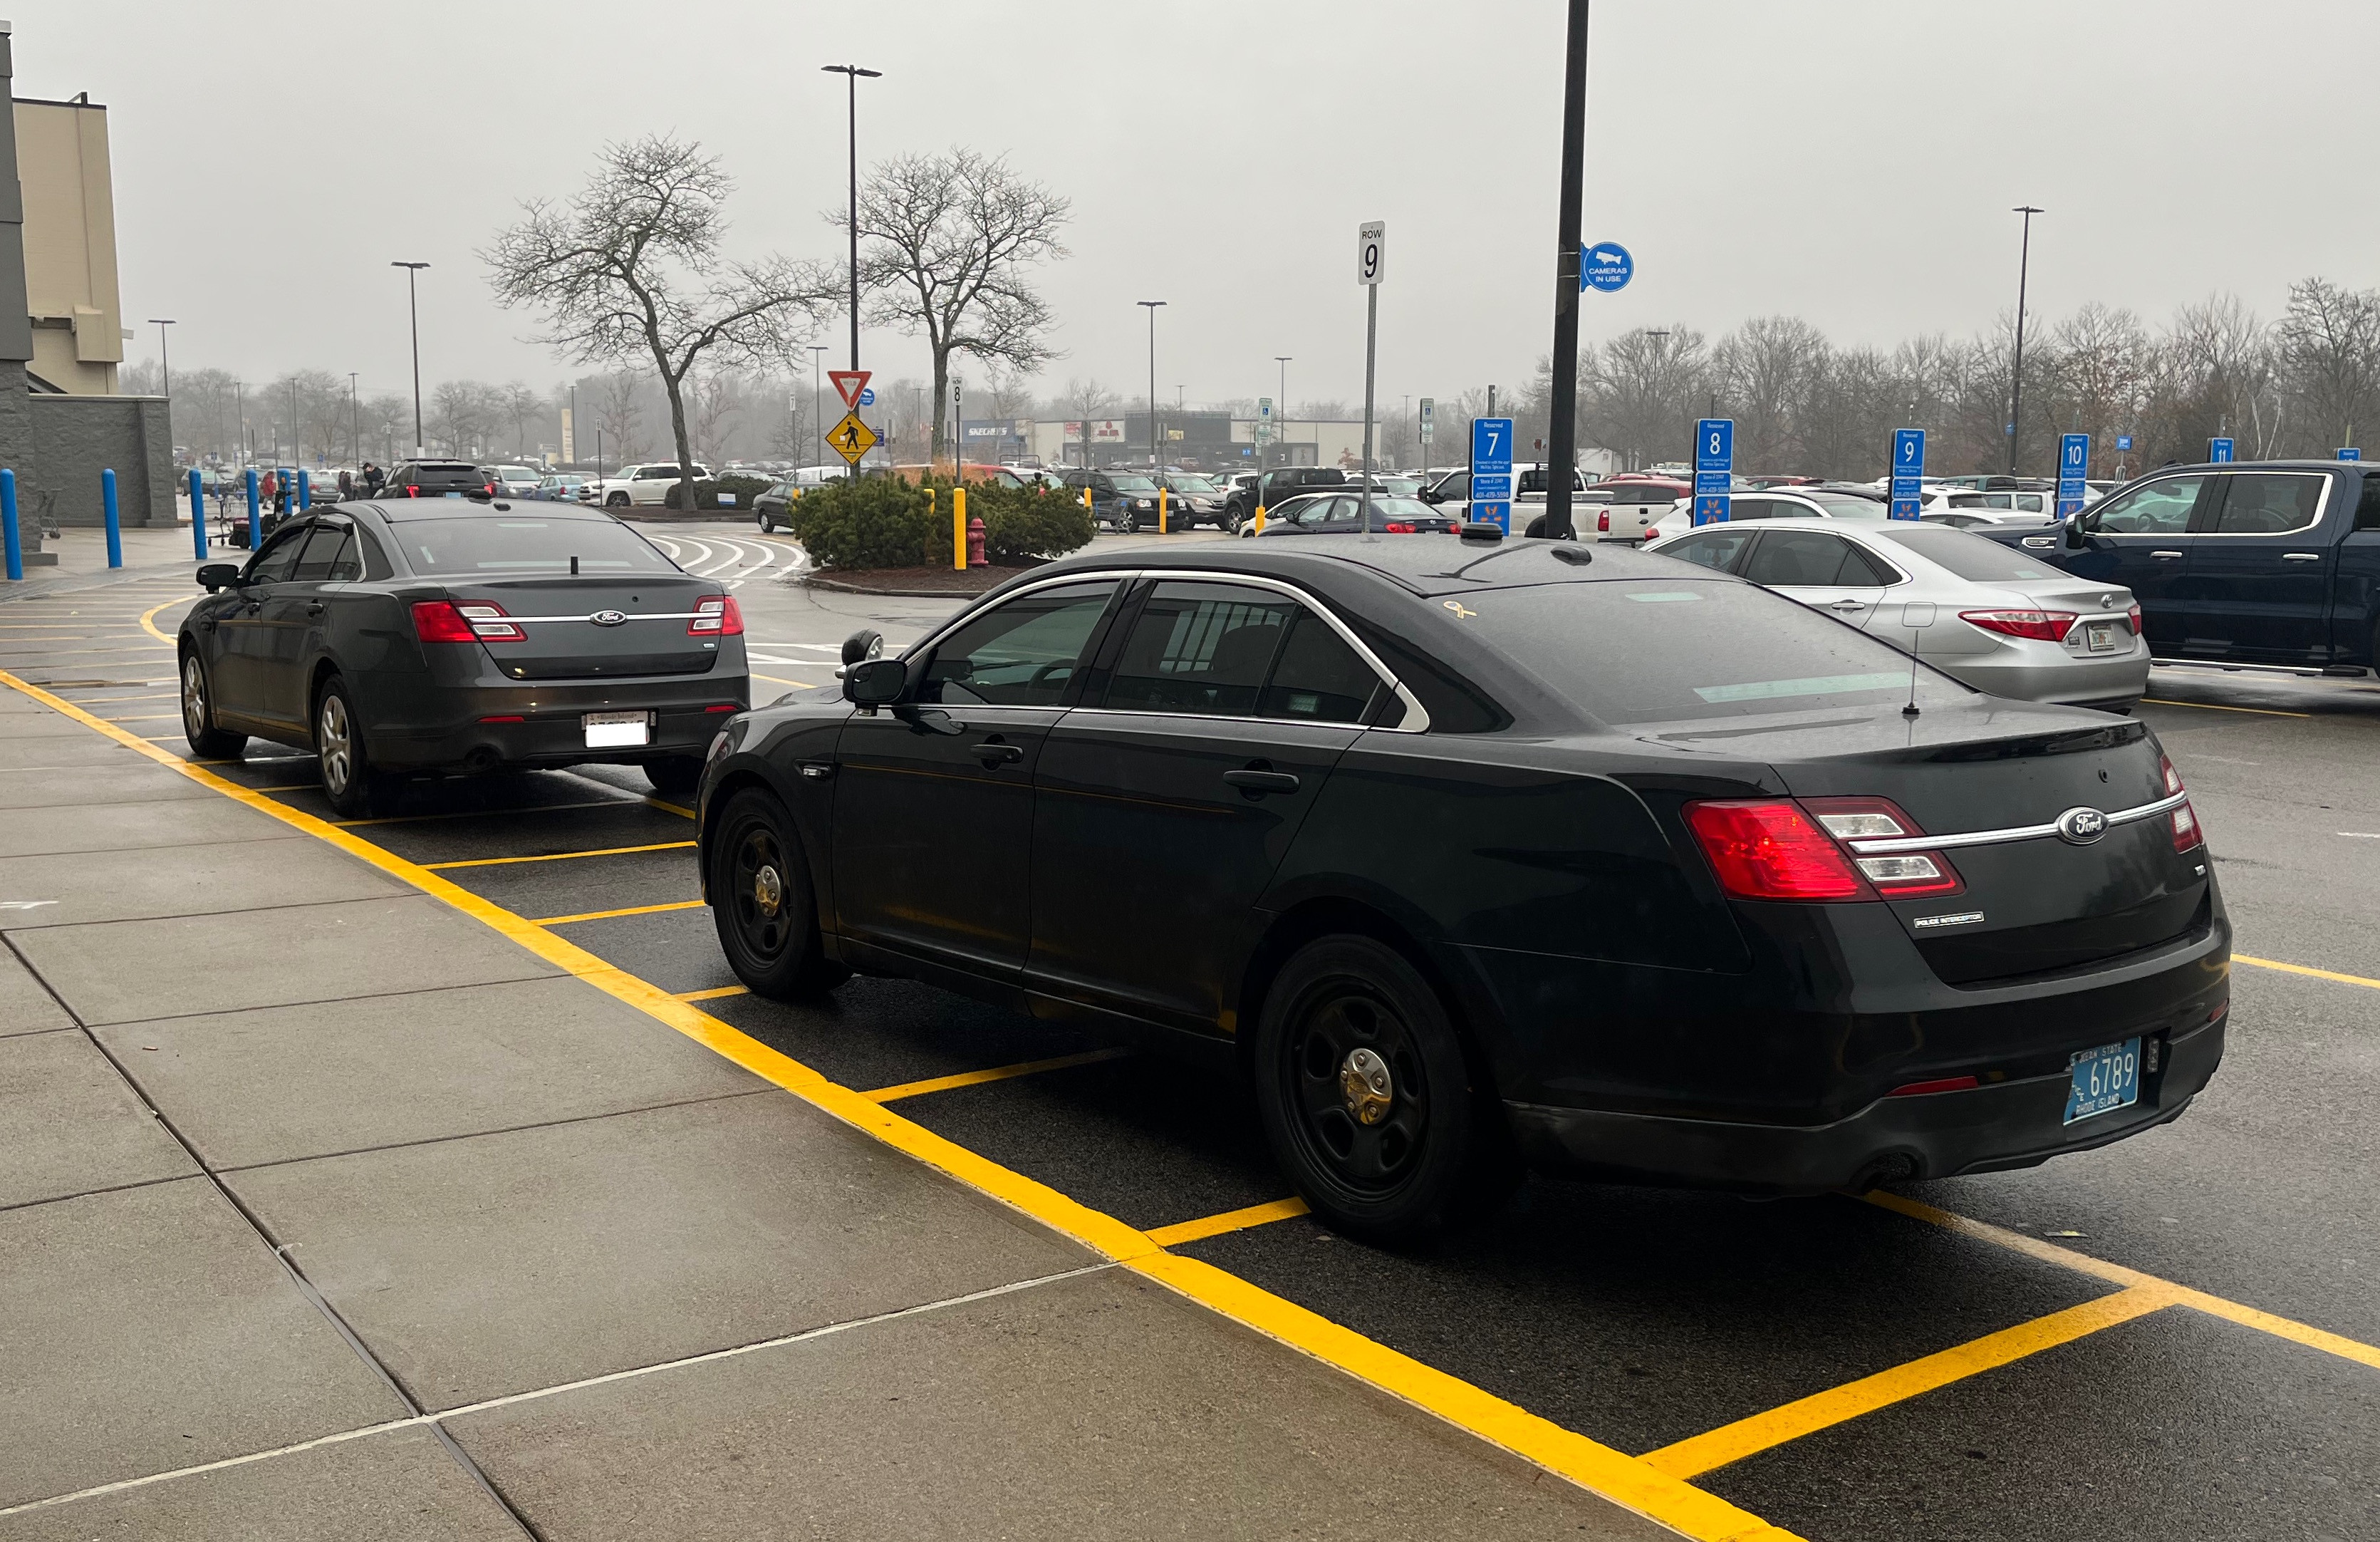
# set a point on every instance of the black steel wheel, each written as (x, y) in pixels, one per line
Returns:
(761, 900)
(207, 741)
(1366, 1099)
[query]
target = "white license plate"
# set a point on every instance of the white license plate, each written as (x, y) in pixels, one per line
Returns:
(614, 730)
(2103, 1080)
(2102, 637)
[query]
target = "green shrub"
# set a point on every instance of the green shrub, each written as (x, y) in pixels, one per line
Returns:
(1023, 522)
(706, 494)
(871, 522)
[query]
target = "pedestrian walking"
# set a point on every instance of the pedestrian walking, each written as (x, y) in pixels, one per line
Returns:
(269, 489)
(347, 485)
(374, 480)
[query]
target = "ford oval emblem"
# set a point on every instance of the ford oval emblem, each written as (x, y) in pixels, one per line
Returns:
(609, 618)
(2079, 827)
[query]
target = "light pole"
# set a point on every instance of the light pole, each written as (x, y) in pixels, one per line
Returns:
(1562, 434)
(354, 424)
(2016, 374)
(1156, 464)
(817, 404)
(1282, 433)
(851, 75)
(413, 311)
(239, 405)
(164, 365)
(1657, 363)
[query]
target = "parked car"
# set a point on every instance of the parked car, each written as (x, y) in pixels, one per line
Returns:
(1452, 492)
(1677, 888)
(1994, 618)
(1341, 513)
(516, 481)
(437, 478)
(399, 637)
(643, 486)
(560, 487)
(1278, 485)
(1191, 501)
(2248, 564)
(1120, 500)
(1778, 503)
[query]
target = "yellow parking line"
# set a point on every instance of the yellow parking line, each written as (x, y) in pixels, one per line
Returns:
(668, 808)
(2214, 707)
(1230, 1221)
(1702, 1454)
(714, 993)
(556, 856)
(1595, 1466)
(494, 813)
(2214, 1305)
(997, 1073)
(291, 787)
(607, 914)
(2301, 969)
(148, 621)
(775, 680)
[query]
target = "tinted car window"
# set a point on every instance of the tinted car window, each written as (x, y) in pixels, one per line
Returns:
(1643, 650)
(1319, 678)
(324, 546)
(2367, 508)
(1717, 549)
(1754, 508)
(1972, 557)
(1455, 484)
(2257, 502)
(1200, 647)
(1810, 559)
(2161, 508)
(485, 543)
(272, 565)
(1849, 507)
(1020, 654)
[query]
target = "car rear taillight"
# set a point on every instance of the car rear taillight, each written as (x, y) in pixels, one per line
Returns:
(488, 625)
(2040, 626)
(1772, 850)
(1395, 527)
(716, 615)
(439, 621)
(2187, 835)
(2134, 615)
(1943, 1083)
(1603, 520)
(1900, 875)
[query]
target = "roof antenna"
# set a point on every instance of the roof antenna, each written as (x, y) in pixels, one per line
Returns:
(1917, 615)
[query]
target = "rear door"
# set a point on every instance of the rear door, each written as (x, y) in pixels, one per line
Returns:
(2261, 564)
(243, 662)
(1821, 570)
(2141, 539)
(1165, 806)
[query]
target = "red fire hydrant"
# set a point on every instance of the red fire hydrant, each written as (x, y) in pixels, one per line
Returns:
(975, 543)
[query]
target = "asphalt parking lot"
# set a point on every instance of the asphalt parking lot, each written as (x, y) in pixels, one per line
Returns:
(2177, 1336)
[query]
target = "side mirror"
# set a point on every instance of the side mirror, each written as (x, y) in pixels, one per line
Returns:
(862, 646)
(219, 575)
(2073, 541)
(1431, 496)
(875, 682)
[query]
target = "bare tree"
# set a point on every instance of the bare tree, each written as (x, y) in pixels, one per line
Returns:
(1083, 402)
(515, 404)
(2329, 354)
(1638, 393)
(949, 238)
(716, 399)
(631, 268)
(620, 419)
(1760, 369)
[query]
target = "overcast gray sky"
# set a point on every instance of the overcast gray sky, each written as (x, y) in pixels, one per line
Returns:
(1848, 162)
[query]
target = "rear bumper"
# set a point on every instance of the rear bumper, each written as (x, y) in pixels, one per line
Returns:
(446, 727)
(2054, 679)
(2008, 1124)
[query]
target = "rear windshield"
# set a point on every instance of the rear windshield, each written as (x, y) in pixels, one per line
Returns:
(493, 544)
(466, 477)
(1847, 506)
(1970, 556)
(1648, 650)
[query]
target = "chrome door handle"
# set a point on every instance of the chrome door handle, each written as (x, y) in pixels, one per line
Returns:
(2301, 556)
(314, 609)
(2169, 554)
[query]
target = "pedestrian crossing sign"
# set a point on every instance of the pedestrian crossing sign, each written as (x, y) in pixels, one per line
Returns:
(851, 438)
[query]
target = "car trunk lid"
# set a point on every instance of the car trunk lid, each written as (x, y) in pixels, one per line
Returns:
(578, 628)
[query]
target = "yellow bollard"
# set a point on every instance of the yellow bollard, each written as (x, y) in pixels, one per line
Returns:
(1086, 500)
(1161, 509)
(958, 528)
(1260, 518)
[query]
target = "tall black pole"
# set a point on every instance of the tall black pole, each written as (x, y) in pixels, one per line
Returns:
(1156, 462)
(413, 311)
(2016, 374)
(1561, 437)
(851, 74)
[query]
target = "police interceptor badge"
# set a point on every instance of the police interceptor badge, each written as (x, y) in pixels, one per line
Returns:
(1963, 918)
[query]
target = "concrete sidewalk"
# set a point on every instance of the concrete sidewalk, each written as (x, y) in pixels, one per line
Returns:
(327, 1210)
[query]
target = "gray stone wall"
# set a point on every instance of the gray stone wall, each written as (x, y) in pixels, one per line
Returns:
(68, 440)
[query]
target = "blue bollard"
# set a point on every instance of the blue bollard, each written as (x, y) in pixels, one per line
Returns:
(199, 512)
(115, 529)
(305, 492)
(9, 518)
(255, 520)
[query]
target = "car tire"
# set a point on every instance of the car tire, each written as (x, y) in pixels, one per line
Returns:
(767, 526)
(207, 741)
(615, 500)
(354, 788)
(1435, 1151)
(675, 774)
(760, 901)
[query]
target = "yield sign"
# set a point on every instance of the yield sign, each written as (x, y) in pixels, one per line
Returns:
(851, 438)
(848, 384)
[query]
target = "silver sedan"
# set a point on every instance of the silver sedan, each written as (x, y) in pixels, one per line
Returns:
(1971, 608)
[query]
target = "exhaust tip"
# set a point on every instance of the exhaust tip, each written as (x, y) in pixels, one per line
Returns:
(482, 757)
(1890, 1167)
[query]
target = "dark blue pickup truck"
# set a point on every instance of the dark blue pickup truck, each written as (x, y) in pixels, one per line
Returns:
(2267, 562)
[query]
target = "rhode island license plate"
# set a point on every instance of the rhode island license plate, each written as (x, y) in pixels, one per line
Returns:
(2103, 1079)
(2102, 637)
(614, 730)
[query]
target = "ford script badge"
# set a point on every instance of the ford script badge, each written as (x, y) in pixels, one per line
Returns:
(608, 618)
(2079, 827)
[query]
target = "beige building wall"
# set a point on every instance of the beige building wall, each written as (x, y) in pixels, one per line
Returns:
(70, 245)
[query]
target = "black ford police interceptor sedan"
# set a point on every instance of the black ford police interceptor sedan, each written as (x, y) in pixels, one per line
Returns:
(461, 635)
(1474, 851)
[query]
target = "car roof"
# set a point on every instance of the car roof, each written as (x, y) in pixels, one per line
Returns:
(1421, 564)
(398, 510)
